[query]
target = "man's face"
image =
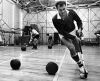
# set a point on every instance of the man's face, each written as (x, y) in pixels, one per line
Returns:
(61, 9)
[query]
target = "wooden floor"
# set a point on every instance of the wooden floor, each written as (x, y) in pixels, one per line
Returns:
(33, 63)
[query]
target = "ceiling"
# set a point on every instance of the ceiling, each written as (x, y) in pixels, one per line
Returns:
(82, 1)
(41, 5)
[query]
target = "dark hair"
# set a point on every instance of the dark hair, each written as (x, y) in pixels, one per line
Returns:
(61, 3)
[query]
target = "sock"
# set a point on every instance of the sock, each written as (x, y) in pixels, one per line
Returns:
(76, 58)
(80, 56)
(80, 64)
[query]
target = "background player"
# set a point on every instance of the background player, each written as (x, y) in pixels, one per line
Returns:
(34, 36)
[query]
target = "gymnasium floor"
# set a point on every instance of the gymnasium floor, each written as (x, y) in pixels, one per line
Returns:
(33, 63)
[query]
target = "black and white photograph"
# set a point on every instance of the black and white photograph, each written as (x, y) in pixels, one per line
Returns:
(49, 40)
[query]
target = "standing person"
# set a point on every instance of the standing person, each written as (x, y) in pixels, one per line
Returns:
(63, 21)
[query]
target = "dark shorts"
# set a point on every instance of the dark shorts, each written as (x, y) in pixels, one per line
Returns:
(76, 43)
(35, 36)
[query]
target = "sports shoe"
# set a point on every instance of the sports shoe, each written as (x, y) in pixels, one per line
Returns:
(84, 72)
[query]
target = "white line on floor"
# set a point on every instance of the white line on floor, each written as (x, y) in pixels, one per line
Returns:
(61, 62)
(21, 56)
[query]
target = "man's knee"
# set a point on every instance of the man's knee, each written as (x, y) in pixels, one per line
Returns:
(71, 47)
(72, 50)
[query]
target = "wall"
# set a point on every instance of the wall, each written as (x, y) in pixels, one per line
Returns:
(44, 22)
(9, 20)
(13, 17)
(90, 18)
(91, 21)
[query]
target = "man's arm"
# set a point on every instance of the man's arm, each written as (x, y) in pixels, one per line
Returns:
(77, 19)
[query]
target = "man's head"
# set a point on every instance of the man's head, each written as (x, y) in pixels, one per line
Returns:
(61, 7)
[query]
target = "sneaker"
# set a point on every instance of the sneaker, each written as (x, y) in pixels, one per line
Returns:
(84, 72)
(35, 47)
(84, 75)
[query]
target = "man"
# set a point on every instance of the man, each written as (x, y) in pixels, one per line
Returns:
(64, 23)
(34, 38)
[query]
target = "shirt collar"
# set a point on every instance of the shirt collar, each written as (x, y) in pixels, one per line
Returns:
(58, 16)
